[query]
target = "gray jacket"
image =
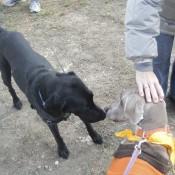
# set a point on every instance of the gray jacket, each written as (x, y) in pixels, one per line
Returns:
(144, 20)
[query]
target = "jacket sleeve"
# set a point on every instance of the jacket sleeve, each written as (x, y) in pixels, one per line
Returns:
(142, 22)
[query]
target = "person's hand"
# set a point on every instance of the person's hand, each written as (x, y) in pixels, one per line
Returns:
(148, 86)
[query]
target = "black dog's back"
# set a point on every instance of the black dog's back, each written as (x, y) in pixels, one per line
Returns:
(22, 59)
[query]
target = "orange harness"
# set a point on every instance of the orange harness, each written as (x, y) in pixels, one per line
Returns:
(141, 167)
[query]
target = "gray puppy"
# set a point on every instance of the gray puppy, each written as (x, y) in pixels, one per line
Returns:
(147, 117)
(134, 109)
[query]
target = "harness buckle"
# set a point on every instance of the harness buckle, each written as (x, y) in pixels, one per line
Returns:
(137, 151)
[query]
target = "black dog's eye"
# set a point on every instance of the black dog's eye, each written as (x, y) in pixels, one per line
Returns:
(71, 73)
(91, 95)
(58, 74)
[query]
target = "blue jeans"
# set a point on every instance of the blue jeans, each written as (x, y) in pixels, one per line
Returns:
(161, 64)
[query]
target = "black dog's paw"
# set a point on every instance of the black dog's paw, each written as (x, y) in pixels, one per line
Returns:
(18, 104)
(64, 153)
(97, 139)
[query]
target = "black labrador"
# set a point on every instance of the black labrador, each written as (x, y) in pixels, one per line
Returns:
(53, 95)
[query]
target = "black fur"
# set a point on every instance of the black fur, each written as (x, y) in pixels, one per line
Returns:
(53, 95)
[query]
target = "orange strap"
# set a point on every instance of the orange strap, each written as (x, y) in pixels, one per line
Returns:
(141, 167)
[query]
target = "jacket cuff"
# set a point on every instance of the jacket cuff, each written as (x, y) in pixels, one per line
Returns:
(144, 65)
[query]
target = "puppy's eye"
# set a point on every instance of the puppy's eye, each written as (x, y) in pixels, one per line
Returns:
(121, 102)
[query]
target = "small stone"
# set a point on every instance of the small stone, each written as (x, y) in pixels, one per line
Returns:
(39, 167)
(57, 163)
(46, 166)
(13, 158)
(50, 169)
(42, 156)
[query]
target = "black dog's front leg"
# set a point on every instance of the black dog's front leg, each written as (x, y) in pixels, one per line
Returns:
(62, 148)
(36, 104)
(94, 135)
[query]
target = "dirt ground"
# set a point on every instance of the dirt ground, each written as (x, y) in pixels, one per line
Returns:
(85, 36)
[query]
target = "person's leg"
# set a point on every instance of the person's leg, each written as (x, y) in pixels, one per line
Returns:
(172, 83)
(161, 64)
(9, 3)
(35, 6)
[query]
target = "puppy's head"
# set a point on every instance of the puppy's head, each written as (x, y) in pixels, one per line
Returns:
(72, 96)
(129, 108)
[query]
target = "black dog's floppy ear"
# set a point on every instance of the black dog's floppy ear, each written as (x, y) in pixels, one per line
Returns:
(54, 102)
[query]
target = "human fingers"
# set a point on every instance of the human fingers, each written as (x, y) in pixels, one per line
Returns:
(159, 91)
(147, 92)
(154, 93)
(140, 89)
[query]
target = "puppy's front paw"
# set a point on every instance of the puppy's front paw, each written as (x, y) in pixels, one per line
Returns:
(63, 152)
(18, 104)
(97, 139)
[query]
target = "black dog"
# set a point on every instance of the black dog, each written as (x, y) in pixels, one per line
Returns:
(53, 95)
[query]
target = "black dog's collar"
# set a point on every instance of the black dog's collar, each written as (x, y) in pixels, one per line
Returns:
(63, 116)
(41, 98)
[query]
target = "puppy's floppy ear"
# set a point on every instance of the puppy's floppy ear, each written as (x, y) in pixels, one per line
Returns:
(134, 108)
(139, 110)
(139, 107)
